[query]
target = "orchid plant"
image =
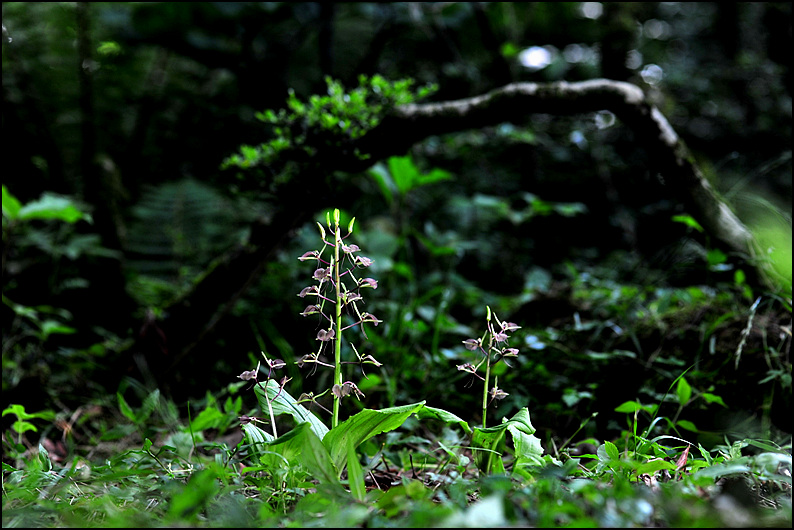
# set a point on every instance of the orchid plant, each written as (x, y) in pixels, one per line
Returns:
(337, 292)
(494, 348)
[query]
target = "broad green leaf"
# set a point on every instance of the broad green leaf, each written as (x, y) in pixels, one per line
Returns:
(630, 407)
(283, 403)
(355, 475)
(528, 451)
(191, 500)
(688, 425)
(301, 446)
(207, 419)
(257, 438)
(363, 426)
(611, 450)
(489, 444)
(53, 327)
(51, 206)
(440, 414)
(435, 175)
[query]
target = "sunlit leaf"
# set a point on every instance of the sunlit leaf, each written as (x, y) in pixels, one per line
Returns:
(283, 403)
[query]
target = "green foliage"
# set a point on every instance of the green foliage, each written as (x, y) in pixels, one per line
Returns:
(399, 176)
(327, 121)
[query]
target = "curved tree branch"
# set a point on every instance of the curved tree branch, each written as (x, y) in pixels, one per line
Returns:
(513, 103)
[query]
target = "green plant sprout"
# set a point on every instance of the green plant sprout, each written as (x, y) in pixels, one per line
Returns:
(496, 349)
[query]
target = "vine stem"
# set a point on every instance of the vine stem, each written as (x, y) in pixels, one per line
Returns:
(338, 326)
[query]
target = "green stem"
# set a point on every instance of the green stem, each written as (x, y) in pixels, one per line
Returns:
(487, 370)
(485, 388)
(338, 327)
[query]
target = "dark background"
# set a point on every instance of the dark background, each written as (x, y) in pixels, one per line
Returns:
(130, 109)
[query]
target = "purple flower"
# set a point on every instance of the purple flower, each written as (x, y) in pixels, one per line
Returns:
(347, 249)
(322, 274)
(352, 297)
(471, 344)
(510, 326)
(310, 310)
(325, 335)
(368, 282)
(367, 317)
(510, 352)
(275, 364)
(362, 261)
(498, 393)
(247, 376)
(312, 254)
(467, 367)
(308, 290)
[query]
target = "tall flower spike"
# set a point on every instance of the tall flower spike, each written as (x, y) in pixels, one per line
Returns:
(332, 276)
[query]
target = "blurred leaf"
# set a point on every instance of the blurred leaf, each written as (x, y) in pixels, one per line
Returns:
(51, 206)
(44, 459)
(683, 391)
(711, 398)
(125, 409)
(509, 50)
(688, 425)
(11, 205)
(192, 499)
(209, 418)
(51, 327)
(689, 221)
